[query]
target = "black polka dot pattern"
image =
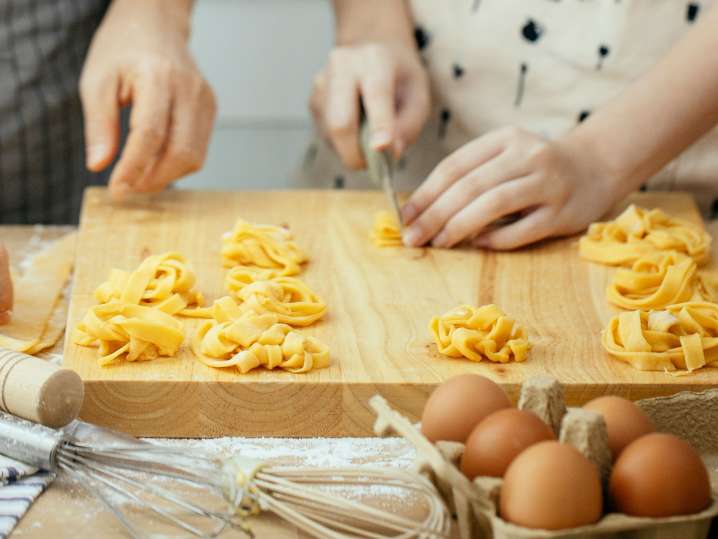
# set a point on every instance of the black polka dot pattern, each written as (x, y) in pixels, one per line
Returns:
(421, 37)
(457, 71)
(444, 118)
(583, 115)
(692, 11)
(603, 52)
(339, 182)
(521, 85)
(532, 31)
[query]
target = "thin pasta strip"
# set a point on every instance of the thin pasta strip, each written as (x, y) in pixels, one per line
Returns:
(262, 246)
(682, 336)
(478, 333)
(637, 233)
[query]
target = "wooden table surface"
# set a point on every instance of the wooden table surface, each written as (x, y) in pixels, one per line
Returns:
(64, 511)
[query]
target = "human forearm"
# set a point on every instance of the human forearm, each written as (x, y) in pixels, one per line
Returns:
(367, 20)
(658, 116)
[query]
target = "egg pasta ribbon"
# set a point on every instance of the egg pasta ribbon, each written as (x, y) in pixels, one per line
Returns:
(262, 246)
(654, 281)
(682, 336)
(136, 315)
(136, 332)
(478, 333)
(289, 298)
(247, 340)
(386, 231)
(157, 279)
(638, 232)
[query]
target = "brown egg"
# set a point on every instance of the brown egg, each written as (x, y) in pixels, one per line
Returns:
(625, 421)
(551, 486)
(499, 438)
(660, 475)
(458, 405)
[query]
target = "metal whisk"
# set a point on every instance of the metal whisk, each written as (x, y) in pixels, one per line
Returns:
(203, 495)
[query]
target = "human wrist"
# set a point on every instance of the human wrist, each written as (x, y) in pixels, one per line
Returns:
(611, 163)
(173, 15)
(372, 21)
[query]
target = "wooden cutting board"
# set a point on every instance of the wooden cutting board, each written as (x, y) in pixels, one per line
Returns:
(380, 303)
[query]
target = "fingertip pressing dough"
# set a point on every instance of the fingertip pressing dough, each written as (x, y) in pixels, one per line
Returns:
(262, 246)
(654, 281)
(135, 317)
(247, 340)
(478, 333)
(386, 231)
(35, 324)
(638, 232)
(682, 336)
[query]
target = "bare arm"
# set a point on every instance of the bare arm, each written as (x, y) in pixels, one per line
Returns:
(560, 186)
(661, 114)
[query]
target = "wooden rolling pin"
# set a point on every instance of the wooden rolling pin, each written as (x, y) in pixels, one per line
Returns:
(38, 390)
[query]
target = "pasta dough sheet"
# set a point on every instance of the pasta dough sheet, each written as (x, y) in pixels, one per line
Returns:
(33, 326)
(478, 333)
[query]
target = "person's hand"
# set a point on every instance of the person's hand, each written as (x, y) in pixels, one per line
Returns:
(392, 84)
(6, 292)
(556, 188)
(139, 56)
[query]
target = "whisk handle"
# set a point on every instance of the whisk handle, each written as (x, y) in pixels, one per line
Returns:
(29, 442)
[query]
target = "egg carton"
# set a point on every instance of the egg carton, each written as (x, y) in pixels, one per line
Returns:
(692, 416)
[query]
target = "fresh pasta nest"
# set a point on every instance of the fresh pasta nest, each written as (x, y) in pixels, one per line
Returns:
(262, 246)
(386, 231)
(247, 340)
(478, 333)
(135, 318)
(654, 281)
(682, 336)
(638, 232)
(134, 331)
(157, 278)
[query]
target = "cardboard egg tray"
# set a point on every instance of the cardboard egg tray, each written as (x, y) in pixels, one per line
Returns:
(691, 416)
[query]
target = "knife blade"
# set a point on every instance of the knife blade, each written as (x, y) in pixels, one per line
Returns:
(380, 165)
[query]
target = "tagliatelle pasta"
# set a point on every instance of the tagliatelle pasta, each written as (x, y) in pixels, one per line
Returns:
(654, 282)
(262, 246)
(134, 332)
(478, 333)
(288, 298)
(252, 340)
(157, 279)
(683, 336)
(135, 319)
(638, 232)
(386, 231)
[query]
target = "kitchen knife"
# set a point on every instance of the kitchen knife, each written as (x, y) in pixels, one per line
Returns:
(380, 165)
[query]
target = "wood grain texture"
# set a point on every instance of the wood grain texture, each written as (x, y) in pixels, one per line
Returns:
(380, 302)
